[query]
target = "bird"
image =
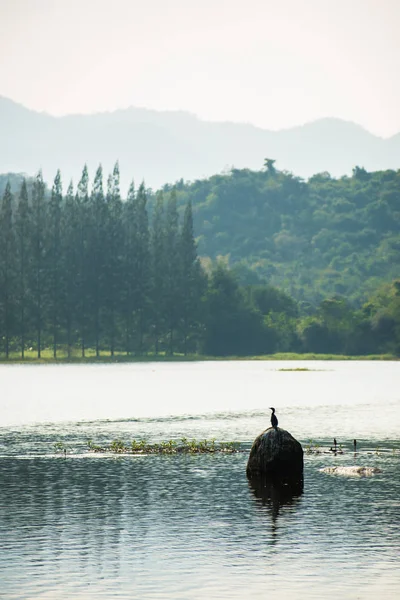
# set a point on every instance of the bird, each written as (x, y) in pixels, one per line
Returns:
(274, 420)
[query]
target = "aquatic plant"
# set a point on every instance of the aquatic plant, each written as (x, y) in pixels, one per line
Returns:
(94, 447)
(139, 446)
(184, 446)
(60, 447)
(298, 369)
(117, 446)
(312, 448)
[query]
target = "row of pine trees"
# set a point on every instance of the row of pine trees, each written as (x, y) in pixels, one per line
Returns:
(86, 270)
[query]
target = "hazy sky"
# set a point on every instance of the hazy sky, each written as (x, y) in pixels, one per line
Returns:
(274, 63)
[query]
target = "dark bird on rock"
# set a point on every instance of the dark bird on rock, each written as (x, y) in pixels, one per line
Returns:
(274, 420)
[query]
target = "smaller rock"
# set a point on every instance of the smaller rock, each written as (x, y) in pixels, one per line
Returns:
(351, 471)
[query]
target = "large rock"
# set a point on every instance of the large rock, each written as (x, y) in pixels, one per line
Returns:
(277, 454)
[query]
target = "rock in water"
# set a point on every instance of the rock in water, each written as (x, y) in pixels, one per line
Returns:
(363, 471)
(276, 453)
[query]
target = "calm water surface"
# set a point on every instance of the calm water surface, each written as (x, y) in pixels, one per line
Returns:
(191, 527)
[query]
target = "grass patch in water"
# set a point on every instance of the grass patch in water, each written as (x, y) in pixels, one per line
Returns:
(315, 448)
(299, 369)
(182, 446)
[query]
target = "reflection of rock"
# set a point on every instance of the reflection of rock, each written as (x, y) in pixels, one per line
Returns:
(274, 493)
(277, 454)
(278, 491)
(351, 471)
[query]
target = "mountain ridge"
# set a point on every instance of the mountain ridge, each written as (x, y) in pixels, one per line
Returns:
(188, 114)
(166, 146)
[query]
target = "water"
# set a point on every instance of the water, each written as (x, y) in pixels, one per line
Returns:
(191, 527)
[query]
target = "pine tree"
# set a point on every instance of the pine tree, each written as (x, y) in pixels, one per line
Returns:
(191, 278)
(81, 207)
(142, 277)
(7, 258)
(54, 258)
(113, 253)
(127, 288)
(23, 253)
(172, 269)
(38, 249)
(70, 263)
(96, 250)
(158, 265)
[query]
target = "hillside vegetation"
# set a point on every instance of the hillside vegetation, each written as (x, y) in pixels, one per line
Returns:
(313, 239)
(285, 266)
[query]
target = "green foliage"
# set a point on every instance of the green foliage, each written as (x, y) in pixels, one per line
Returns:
(233, 324)
(60, 447)
(117, 446)
(94, 447)
(7, 268)
(312, 448)
(91, 273)
(313, 239)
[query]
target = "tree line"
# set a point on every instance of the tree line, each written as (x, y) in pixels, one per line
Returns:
(88, 272)
(86, 269)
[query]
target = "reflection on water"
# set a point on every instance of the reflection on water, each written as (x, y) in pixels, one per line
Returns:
(275, 491)
(274, 494)
(193, 527)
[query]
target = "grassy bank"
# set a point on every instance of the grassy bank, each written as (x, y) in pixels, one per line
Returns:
(119, 357)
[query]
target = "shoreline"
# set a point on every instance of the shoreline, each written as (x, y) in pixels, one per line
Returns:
(47, 359)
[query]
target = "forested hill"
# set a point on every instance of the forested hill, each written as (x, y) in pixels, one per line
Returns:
(90, 270)
(314, 238)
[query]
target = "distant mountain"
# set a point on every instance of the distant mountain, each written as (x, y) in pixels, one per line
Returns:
(163, 147)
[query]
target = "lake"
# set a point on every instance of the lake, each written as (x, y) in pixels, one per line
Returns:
(98, 525)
